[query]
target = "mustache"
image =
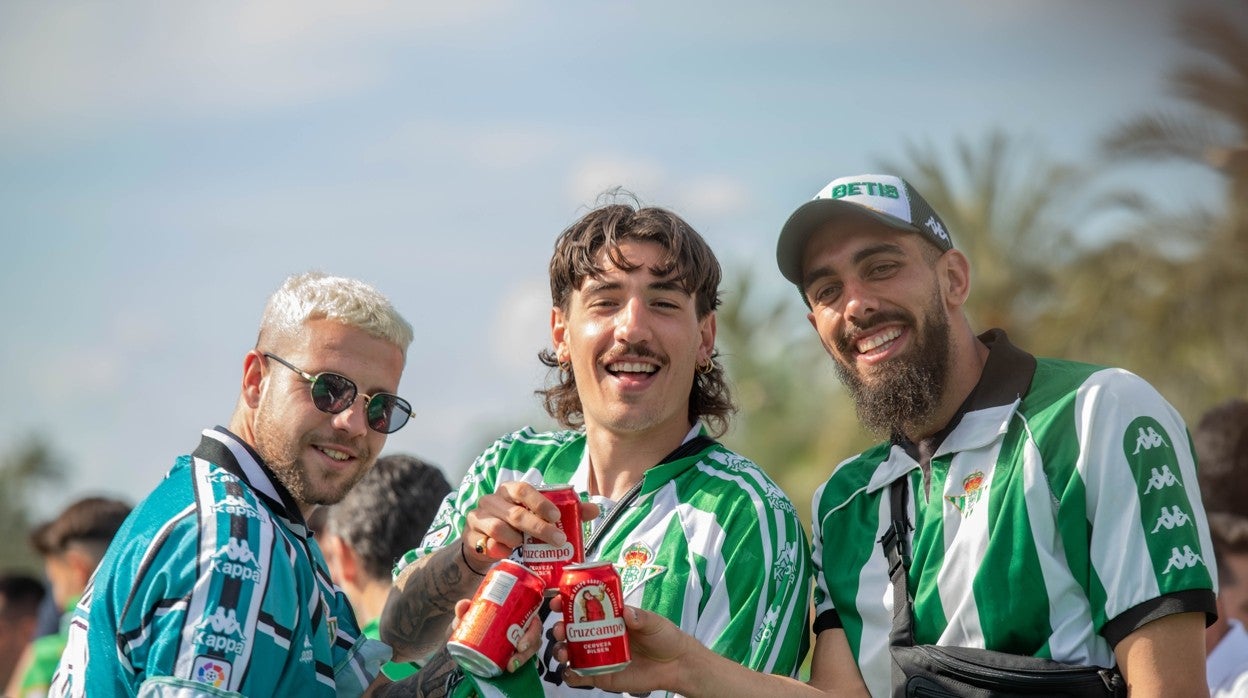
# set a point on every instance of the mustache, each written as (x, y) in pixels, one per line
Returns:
(639, 350)
(845, 342)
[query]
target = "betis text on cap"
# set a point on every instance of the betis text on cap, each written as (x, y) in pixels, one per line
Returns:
(887, 198)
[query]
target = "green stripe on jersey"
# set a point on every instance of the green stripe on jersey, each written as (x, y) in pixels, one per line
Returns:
(710, 542)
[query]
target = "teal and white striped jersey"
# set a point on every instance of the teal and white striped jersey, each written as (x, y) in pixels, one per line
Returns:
(214, 587)
(1063, 514)
(709, 542)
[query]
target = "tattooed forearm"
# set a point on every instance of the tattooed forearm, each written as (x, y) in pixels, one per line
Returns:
(436, 679)
(417, 616)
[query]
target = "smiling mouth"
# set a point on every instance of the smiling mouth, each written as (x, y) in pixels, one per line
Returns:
(622, 367)
(334, 454)
(876, 341)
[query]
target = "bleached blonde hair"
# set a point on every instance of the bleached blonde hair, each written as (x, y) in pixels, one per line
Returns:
(315, 295)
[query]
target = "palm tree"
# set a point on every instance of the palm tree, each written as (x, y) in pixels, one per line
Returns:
(793, 418)
(1206, 294)
(1021, 218)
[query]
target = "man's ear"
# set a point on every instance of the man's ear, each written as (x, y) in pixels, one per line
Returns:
(343, 564)
(706, 328)
(955, 277)
(253, 377)
(559, 334)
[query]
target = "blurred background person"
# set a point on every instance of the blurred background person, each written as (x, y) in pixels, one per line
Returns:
(71, 545)
(385, 515)
(1221, 443)
(20, 597)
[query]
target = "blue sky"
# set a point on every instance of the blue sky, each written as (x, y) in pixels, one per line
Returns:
(163, 166)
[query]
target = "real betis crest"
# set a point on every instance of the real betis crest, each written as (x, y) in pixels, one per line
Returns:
(971, 485)
(636, 569)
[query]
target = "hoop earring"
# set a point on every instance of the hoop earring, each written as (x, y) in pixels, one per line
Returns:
(706, 368)
(565, 366)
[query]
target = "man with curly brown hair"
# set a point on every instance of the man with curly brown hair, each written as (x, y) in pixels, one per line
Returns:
(700, 534)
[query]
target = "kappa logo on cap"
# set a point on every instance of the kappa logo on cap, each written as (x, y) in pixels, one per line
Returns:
(937, 229)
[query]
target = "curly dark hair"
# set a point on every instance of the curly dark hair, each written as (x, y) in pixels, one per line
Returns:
(388, 511)
(688, 256)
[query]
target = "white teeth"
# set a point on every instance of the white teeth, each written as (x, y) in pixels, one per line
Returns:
(336, 455)
(623, 367)
(879, 339)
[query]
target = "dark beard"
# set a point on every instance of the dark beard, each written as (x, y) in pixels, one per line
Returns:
(910, 392)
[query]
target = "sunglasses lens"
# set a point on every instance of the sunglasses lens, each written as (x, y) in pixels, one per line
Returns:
(332, 393)
(388, 413)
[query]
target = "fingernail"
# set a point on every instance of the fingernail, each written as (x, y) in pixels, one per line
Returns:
(513, 665)
(633, 612)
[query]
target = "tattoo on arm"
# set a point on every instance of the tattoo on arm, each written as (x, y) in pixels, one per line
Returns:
(417, 617)
(436, 679)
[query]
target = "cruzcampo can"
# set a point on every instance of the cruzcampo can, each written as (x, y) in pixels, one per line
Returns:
(593, 618)
(548, 560)
(489, 632)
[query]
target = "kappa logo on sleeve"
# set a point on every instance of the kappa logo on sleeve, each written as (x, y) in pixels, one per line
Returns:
(1171, 518)
(1148, 439)
(1182, 559)
(222, 633)
(768, 627)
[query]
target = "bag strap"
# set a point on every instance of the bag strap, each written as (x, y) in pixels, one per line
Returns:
(896, 544)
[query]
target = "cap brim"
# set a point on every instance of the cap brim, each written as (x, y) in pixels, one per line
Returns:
(812, 216)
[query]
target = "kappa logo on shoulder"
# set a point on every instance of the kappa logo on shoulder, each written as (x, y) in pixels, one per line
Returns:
(786, 562)
(236, 506)
(1148, 439)
(235, 559)
(306, 656)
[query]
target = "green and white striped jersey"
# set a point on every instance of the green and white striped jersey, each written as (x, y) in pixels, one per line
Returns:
(709, 542)
(214, 587)
(1063, 514)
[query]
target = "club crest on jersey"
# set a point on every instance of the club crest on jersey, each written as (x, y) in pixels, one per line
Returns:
(635, 568)
(972, 486)
(437, 537)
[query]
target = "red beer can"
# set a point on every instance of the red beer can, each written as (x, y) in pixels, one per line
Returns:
(489, 632)
(548, 560)
(593, 620)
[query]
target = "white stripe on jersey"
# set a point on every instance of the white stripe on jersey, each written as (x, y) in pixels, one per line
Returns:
(965, 538)
(1120, 538)
(1070, 614)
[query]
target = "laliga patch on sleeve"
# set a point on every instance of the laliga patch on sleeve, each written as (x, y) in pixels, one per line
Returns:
(212, 671)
